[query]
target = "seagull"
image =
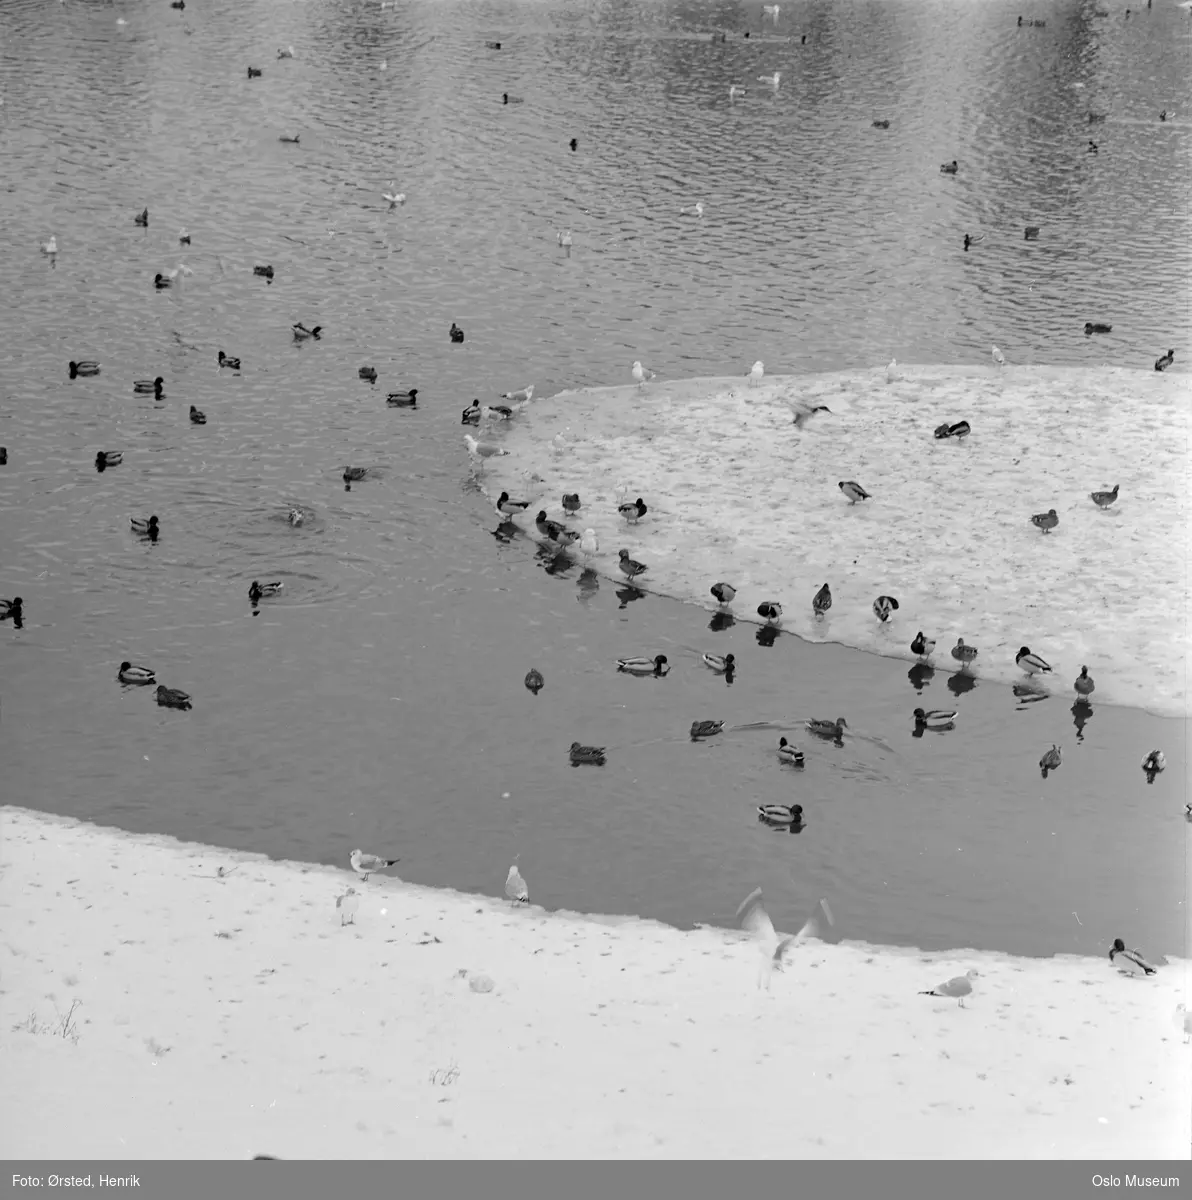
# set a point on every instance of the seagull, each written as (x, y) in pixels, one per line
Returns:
(756, 921)
(696, 210)
(756, 372)
(1133, 963)
(999, 357)
(564, 239)
(481, 450)
(394, 198)
(522, 397)
(515, 885)
(589, 543)
(954, 989)
(348, 904)
(735, 91)
(892, 371)
(288, 52)
(641, 374)
(1183, 1020)
(771, 10)
(365, 864)
(50, 247)
(772, 80)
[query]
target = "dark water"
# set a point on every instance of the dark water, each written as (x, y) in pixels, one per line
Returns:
(379, 701)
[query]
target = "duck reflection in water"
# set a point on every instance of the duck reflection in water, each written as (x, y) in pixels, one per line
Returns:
(961, 682)
(505, 532)
(767, 635)
(554, 561)
(588, 585)
(920, 676)
(721, 621)
(1029, 694)
(1082, 713)
(627, 595)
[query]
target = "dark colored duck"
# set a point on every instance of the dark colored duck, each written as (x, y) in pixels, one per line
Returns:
(592, 755)
(148, 386)
(142, 218)
(172, 697)
(822, 601)
(265, 272)
(949, 168)
(145, 528)
(225, 361)
(197, 416)
(11, 609)
(90, 367)
(1161, 364)
(368, 373)
(534, 681)
(254, 72)
(402, 399)
(1096, 327)
(456, 334)
(1031, 233)
(301, 333)
(704, 729)
(108, 458)
(258, 591)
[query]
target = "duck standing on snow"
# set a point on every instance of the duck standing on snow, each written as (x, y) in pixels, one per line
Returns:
(1030, 663)
(1051, 760)
(1132, 961)
(1161, 364)
(1045, 521)
(771, 610)
(1104, 499)
(723, 593)
(962, 653)
(511, 508)
(821, 601)
(633, 511)
(571, 502)
(853, 490)
(922, 646)
(630, 567)
(883, 606)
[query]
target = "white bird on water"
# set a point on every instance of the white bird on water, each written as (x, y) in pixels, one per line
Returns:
(999, 357)
(515, 885)
(482, 450)
(756, 920)
(522, 397)
(772, 80)
(756, 372)
(955, 988)
(892, 371)
(589, 543)
(641, 374)
(348, 904)
(395, 197)
(734, 91)
(695, 210)
(564, 237)
(50, 247)
(771, 10)
(365, 864)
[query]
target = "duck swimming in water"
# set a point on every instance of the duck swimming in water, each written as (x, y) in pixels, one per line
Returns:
(1091, 327)
(301, 333)
(172, 697)
(11, 608)
(108, 458)
(1161, 364)
(257, 591)
(142, 218)
(593, 755)
(949, 168)
(781, 814)
(147, 386)
(86, 367)
(135, 675)
(722, 664)
(534, 681)
(355, 474)
(403, 399)
(789, 754)
(828, 729)
(367, 373)
(456, 334)
(703, 729)
(644, 666)
(935, 718)
(144, 528)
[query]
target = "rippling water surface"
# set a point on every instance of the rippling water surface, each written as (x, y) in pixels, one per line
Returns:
(379, 701)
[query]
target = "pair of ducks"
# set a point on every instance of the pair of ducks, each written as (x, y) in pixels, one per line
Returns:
(961, 429)
(167, 697)
(1032, 664)
(658, 666)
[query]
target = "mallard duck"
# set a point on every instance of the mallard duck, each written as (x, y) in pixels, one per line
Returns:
(1097, 327)
(1031, 233)
(1161, 364)
(883, 606)
(1132, 961)
(145, 528)
(1104, 499)
(942, 431)
(1030, 663)
(290, 141)
(722, 664)
(534, 681)
(922, 646)
(822, 601)
(1045, 521)
(301, 333)
(789, 753)
(86, 367)
(962, 653)
(493, 45)
(586, 754)
(3, 455)
(771, 610)
(161, 281)
(145, 386)
(471, 414)
(178, 4)
(781, 814)
(172, 697)
(854, 491)
(130, 674)
(723, 593)
(644, 666)
(296, 517)
(142, 218)
(633, 511)
(630, 567)
(354, 474)
(265, 272)
(288, 52)
(1051, 760)
(254, 72)
(960, 430)
(571, 502)
(548, 528)
(828, 729)
(521, 397)
(225, 360)
(511, 507)
(703, 729)
(10, 608)
(403, 399)
(1093, 147)
(883, 124)
(1084, 684)
(1163, 115)
(934, 718)
(183, 237)
(197, 416)
(641, 375)
(369, 373)
(456, 334)
(949, 168)
(108, 458)
(1154, 762)
(258, 591)
(506, 98)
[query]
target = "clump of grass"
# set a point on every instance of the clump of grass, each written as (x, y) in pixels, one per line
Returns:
(63, 1025)
(444, 1076)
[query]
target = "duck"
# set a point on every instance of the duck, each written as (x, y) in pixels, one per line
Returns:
(853, 490)
(571, 502)
(288, 52)
(734, 91)
(644, 666)
(296, 517)
(821, 601)
(1093, 147)
(1051, 760)
(934, 718)
(369, 373)
(145, 386)
(998, 357)
(723, 593)
(394, 198)
(11, 608)
(1084, 684)
(506, 98)
(108, 458)
(161, 281)
(178, 4)
(771, 610)
(722, 664)
(301, 333)
(3, 455)
(1161, 364)
(1097, 327)
(1163, 115)
(492, 45)
(133, 674)
(789, 753)
(922, 646)
(781, 814)
(1031, 233)
(703, 729)
(197, 416)
(949, 168)
(522, 396)
(254, 72)
(471, 414)
(497, 412)
(1045, 521)
(828, 729)
(225, 360)
(960, 430)
(883, 124)
(172, 697)
(883, 606)
(1133, 962)
(1154, 762)
(633, 511)
(183, 237)
(630, 567)
(1104, 499)
(142, 218)
(290, 141)
(456, 334)
(50, 247)
(265, 272)
(511, 507)
(548, 528)
(86, 367)
(403, 399)
(574, 143)
(144, 528)
(1094, 118)
(534, 681)
(943, 431)
(962, 653)
(586, 754)
(1030, 663)
(257, 591)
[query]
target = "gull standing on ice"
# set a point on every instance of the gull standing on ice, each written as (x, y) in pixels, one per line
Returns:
(756, 372)
(640, 374)
(522, 397)
(348, 904)
(734, 91)
(954, 989)
(589, 543)
(482, 450)
(515, 885)
(999, 357)
(50, 247)
(365, 864)
(756, 921)
(394, 198)
(1183, 1021)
